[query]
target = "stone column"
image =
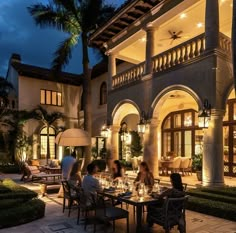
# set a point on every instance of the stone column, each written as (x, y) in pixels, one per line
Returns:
(112, 142)
(213, 161)
(150, 147)
(212, 24)
(150, 46)
(111, 68)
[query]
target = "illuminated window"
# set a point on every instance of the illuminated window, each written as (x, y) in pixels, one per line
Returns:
(43, 143)
(50, 97)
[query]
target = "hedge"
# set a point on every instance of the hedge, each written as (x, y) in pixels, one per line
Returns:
(10, 190)
(29, 211)
(212, 196)
(212, 201)
(18, 204)
(214, 208)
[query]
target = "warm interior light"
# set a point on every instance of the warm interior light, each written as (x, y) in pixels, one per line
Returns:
(143, 39)
(183, 15)
(104, 131)
(199, 25)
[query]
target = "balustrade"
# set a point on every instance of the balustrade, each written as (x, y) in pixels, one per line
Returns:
(133, 74)
(179, 54)
(170, 58)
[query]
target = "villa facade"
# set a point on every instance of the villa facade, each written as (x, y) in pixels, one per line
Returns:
(179, 56)
(34, 86)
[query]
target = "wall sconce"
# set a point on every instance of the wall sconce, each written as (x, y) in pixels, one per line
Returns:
(141, 127)
(104, 131)
(204, 115)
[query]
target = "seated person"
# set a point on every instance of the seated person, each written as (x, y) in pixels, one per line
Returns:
(75, 178)
(144, 175)
(117, 170)
(90, 184)
(177, 190)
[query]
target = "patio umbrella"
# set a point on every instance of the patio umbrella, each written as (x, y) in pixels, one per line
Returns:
(73, 137)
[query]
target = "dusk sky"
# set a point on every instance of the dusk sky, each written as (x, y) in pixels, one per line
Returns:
(19, 34)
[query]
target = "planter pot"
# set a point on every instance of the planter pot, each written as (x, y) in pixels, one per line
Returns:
(199, 175)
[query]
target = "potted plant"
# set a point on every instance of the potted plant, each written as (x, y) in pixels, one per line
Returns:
(197, 165)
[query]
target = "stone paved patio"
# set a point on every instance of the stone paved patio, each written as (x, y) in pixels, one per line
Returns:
(57, 222)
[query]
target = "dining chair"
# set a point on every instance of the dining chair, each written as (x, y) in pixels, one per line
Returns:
(85, 206)
(106, 214)
(172, 213)
(69, 196)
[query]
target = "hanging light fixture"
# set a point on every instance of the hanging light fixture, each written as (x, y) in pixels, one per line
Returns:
(204, 115)
(104, 131)
(141, 127)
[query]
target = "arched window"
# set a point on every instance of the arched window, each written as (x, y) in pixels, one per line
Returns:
(43, 143)
(180, 133)
(103, 93)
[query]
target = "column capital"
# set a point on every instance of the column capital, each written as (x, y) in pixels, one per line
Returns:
(217, 112)
(154, 122)
(115, 128)
(109, 52)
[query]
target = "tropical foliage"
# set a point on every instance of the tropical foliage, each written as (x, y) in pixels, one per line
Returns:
(77, 18)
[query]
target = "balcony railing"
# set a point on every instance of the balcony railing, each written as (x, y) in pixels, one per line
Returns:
(225, 43)
(133, 74)
(179, 54)
(170, 58)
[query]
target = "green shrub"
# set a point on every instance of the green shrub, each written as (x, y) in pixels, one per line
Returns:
(9, 168)
(18, 204)
(214, 208)
(227, 191)
(11, 203)
(10, 190)
(212, 196)
(29, 211)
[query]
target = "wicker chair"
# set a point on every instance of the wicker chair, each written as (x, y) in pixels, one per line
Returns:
(171, 214)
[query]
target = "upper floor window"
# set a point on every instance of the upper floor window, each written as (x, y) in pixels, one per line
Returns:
(50, 97)
(103, 93)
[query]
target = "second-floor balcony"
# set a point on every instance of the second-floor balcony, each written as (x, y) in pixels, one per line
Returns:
(189, 51)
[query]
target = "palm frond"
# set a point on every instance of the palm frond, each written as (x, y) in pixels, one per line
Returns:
(63, 53)
(51, 16)
(69, 5)
(90, 11)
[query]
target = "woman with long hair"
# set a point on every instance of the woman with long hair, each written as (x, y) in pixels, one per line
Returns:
(117, 170)
(145, 175)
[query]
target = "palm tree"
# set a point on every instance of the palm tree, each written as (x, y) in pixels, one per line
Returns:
(5, 87)
(77, 18)
(47, 119)
(233, 43)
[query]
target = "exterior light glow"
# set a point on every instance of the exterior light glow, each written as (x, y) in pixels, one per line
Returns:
(183, 15)
(204, 115)
(104, 131)
(199, 25)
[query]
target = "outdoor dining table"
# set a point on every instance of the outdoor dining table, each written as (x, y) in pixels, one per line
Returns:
(134, 200)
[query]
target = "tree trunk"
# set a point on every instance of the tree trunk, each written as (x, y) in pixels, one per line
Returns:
(48, 145)
(233, 43)
(87, 96)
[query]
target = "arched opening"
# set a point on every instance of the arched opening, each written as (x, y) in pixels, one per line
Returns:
(178, 131)
(126, 118)
(43, 143)
(229, 136)
(103, 93)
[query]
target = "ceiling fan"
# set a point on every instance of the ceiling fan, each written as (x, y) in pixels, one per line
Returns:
(173, 36)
